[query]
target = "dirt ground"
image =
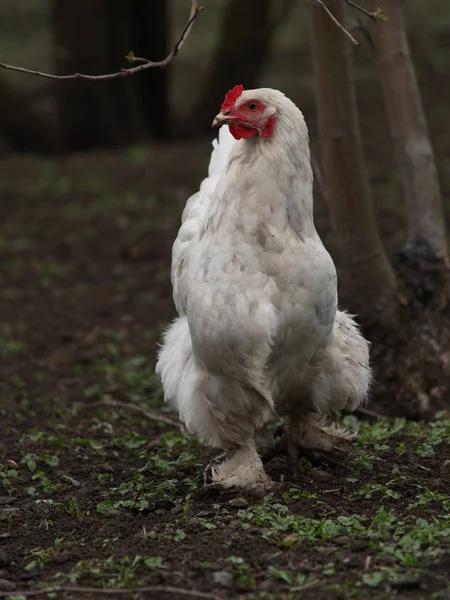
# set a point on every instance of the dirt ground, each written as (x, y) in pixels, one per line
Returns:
(101, 498)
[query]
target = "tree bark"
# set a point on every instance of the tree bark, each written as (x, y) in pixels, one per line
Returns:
(245, 38)
(93, 36)
(368, 279)
(413, 150)
(151, 35)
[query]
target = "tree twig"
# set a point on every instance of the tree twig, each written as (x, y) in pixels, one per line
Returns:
(145, 413)
(312, 584)
(370, 415)
(365, 413)
(336, 22)
(371, 15)
(163, 589)
(147, 64)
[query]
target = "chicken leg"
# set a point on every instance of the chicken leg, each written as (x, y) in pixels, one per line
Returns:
(308, 436)
(241, 467)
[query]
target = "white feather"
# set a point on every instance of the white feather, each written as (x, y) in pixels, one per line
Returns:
(258, 329)
(196, 206)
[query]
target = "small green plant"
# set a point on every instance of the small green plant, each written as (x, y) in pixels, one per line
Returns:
(374, 579)
(7, 477)
(281, 574)
(363, 461)
(73, 508)
(428, 497)
(39, 557)
(370, 489)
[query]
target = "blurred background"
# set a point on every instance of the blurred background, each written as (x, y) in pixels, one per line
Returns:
(94, 176)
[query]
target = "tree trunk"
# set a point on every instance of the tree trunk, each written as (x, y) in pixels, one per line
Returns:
(244, 44)
(413, 150)
(368, 279)
(151, 34)
(93, 36)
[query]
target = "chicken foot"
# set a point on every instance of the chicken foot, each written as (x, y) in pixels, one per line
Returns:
(315, 457)
(208, 471)
(330, 449)
(292, 453)
(240, 468)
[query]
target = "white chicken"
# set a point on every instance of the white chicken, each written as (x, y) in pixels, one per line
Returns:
(258, 333)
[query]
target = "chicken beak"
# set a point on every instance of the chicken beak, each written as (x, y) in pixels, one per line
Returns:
(220, 120)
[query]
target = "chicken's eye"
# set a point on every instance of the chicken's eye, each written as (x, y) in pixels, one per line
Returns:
(252, 106)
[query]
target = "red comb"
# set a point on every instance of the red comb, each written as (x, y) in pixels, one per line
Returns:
(231, 97)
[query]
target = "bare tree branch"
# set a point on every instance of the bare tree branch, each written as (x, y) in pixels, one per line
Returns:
(148, 415)
(371, 15)
(376, 16)
(336, 22)
(147, 64)
(365, 413)
(163, 589)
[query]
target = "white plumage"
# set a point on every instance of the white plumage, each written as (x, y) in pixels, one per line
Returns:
(258, 332)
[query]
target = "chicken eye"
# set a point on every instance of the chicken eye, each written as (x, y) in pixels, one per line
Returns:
(252, 106)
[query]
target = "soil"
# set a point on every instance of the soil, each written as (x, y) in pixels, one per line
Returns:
(333, 567)
(101, 496)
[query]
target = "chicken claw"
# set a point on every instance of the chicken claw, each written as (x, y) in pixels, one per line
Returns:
(210, 467)
(329, 448)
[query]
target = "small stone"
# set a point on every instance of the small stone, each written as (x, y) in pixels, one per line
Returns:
(5, 561)
(267, 586)
(235, 524)
(342, 539)
(206, 513)
(327, 550)
(7, 585)
(156, 443)
(113, 512)
(446, 464)
(223, 579)
(238, 502)
(320, 474)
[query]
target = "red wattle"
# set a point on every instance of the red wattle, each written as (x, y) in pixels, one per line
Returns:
(240, 132)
